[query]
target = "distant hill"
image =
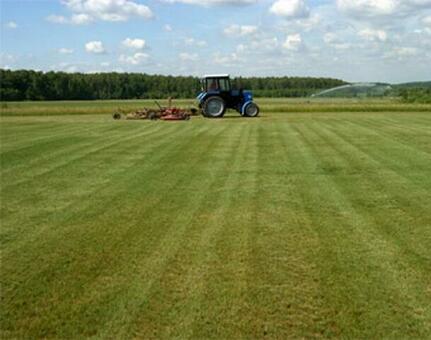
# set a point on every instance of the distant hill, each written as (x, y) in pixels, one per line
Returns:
(416, 84)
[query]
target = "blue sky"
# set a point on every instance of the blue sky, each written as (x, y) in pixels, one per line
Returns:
(355, 40)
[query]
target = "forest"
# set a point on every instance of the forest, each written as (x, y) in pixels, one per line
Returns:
(22, 85)
(415, 95)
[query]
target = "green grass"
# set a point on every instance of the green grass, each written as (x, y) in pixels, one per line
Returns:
(286, 226)
(268, 105)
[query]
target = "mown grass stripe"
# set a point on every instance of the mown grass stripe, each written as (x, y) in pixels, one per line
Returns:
(93, 192)
(422, 126)
(46, 137)
(407, 219)
(393, 199)
(158, 263)
(37, 135)
(384, 132)
(62, 258)
(215, 246)
(393, 164)
(54, 166)
(373, 252)
(171, 298)
(285, 284)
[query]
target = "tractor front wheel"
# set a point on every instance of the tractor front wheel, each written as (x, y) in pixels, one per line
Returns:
(251, 110)
(214, 107)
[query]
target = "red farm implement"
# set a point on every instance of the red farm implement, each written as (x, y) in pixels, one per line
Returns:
(163, 113)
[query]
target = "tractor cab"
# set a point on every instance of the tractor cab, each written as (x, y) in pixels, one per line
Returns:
(217, 95)
(216, 83)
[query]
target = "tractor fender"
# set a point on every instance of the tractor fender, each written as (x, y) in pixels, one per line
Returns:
(201, 96)
(204, 96)
(244, 106)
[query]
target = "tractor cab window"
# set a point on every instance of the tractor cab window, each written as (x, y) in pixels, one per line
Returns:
(212, 84)
(224, 84)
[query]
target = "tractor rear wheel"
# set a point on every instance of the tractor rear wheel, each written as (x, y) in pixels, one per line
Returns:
(251, 110)
(214, 107)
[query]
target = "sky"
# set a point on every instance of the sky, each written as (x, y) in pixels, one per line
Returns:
(353, 40)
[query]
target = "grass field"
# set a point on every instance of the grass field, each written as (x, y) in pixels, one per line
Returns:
(290, 225)
(272, 105)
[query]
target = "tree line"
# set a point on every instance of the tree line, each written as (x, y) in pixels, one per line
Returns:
(415, 95)
(22, 85)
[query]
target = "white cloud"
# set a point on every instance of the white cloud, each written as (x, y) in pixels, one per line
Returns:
(80, 19)
(201, 43)
(86, 11)
(71, 69)
(403, 53)
(188, 56)
(417, 3)
(214, 2)
(373, 34)
(255, 49)
(237, 30)
(241, 48)
(381, 8)
(6, 60)
(194, 42)
(330, 38)
(290, 9)
(342, 46)
(293, 42)
(95, 47)
(64, 50)
(11, 25)
(167, 28)
(136, 44)
(75, 19)
(268, 44)
(333, 39)
(66, 67)
(135, 59)
(231, 59)
(57, 19)
(427, 22)
(310, 22)
(406, 51)
(368, 7)
(109, 10)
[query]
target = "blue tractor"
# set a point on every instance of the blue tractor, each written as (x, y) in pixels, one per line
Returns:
(217, 95)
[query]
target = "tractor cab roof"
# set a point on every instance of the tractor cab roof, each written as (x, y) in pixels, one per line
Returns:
(216, 76)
